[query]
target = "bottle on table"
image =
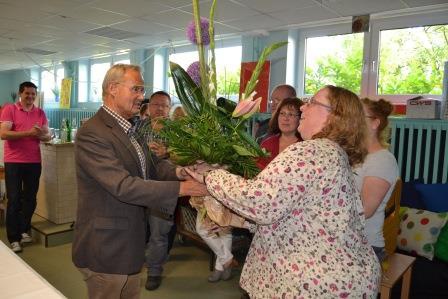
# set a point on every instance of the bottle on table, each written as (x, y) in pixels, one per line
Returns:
(69, 130)
(64, 130)
(74, 129)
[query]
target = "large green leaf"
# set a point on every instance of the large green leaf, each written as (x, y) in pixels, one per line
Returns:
(189, 93)
(242, 151)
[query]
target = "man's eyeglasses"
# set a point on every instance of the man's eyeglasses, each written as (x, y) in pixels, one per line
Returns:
(288, 114)
(163, 106)
(313, 102)
(136, 89)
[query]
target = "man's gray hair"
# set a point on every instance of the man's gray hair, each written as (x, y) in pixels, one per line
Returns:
(116, 73)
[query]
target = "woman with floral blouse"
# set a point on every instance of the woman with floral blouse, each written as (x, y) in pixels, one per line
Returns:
(309, 240)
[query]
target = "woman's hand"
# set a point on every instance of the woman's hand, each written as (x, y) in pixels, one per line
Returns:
(199, 170)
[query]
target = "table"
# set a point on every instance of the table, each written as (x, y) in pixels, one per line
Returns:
(19, 280)
(58, 192)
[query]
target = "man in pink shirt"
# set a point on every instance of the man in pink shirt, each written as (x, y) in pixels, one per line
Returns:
(23, 126)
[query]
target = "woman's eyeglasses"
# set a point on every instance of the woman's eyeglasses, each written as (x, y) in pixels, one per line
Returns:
(288, 114)
(313, 102)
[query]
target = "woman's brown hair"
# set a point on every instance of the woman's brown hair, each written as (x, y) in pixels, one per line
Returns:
(380, 110)
(293, 103)
(346, 124)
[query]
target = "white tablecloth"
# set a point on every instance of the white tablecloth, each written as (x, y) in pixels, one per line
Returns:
(18, 280)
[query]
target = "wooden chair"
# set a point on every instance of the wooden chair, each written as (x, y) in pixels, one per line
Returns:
(392, 219)
(399, 265)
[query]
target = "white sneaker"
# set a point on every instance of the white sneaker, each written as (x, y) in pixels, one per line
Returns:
(15, 246)
(26, 238)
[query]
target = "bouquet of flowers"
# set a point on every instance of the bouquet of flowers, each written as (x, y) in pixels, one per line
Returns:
(213, 131)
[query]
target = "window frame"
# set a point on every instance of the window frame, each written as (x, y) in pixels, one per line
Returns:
(371, 62)
(55, 68)
(378, 22)
(219, 44)
(112, 59)
(326, 30)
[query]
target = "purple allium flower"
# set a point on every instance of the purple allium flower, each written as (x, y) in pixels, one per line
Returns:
(191, 32)
(195, 73)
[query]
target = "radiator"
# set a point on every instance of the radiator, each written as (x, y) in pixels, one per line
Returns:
(421, 149)
(55, 116)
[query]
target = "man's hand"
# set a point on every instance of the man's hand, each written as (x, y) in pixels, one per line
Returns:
(202, 167)
(198, 177)
(35, 131)
(183, 175)
(44, 133)
(191, 188)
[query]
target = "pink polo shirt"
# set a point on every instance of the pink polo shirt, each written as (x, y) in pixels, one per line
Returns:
(23, 150)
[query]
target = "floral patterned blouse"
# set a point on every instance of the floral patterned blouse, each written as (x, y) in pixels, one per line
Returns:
(309, 240)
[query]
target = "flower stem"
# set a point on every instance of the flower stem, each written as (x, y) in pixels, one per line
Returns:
(202, 64)
(211, 31)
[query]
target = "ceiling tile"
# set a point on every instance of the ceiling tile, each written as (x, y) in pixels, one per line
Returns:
(275, 5)
(174, 18)
(51, 6)
(120, 45)
(145, 41)
(304, 15)
(162, 22)
(14, 12)
(68, 24)
(95, 15)
(359, 7)
(141, 26)
(224, 29)
(135, 8)
(258, 22)
(62, 44)
(418, 3)
(23, 39)
(175, 3)
(225, 10)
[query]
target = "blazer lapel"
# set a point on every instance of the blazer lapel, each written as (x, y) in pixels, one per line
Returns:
(119, 133)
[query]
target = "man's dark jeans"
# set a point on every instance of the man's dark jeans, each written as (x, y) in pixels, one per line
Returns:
(22, 183)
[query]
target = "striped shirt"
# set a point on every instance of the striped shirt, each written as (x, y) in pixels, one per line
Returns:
(126, 126)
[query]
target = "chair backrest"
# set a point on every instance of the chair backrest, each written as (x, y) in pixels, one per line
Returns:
(392, 218)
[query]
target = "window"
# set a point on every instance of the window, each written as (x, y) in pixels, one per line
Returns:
(411, 60)
(97, 72)
(339, 64)
(124, 61)
(51, 84)
(83, 82)
(401, 56)
(184, 59)
(228, 66)
(91, 74)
